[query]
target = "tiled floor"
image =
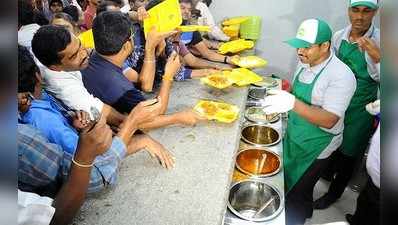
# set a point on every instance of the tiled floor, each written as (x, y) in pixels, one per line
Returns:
(336, 212)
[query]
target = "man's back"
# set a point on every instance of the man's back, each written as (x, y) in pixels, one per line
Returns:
(106, 81)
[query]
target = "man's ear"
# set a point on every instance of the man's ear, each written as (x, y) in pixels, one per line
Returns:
(39, 79)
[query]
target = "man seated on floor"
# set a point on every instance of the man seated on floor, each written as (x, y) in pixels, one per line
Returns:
(104, 78)
(38, 109)
(195, 42)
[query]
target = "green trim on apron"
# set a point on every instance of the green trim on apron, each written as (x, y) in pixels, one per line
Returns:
(358, 122)
(304, 141)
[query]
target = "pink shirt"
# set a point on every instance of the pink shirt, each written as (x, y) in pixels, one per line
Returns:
(89, 15)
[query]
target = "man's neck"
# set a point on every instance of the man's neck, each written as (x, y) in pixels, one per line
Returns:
(321, 59)
(114, 59)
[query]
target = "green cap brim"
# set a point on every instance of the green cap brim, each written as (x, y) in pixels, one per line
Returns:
(298, 43)
(366, 4)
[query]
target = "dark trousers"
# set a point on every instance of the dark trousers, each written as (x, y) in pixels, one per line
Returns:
(368, 206)
(342, 167)
(299, 199)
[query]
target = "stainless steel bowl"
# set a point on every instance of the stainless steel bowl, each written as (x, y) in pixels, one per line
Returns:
(248, 196)
(257, 93)
(260, 135)
(257, 115)
(258, 162)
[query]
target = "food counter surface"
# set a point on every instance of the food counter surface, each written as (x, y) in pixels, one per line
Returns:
(196, 190)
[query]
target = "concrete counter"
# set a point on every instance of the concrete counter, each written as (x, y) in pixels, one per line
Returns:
(195, 191)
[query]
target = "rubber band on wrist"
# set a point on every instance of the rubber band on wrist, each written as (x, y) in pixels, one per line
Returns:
(81, 165)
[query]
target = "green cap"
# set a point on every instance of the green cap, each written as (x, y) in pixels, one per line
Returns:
(311, 31)
(373, 4)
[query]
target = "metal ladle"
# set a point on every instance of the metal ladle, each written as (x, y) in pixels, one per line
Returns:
(264, 207)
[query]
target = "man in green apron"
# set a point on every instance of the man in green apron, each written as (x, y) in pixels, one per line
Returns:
(358, 46)
(322, 89)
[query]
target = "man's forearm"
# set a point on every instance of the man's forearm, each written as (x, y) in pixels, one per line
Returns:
(73, 192)
(112, 116)
(164, 94)
(315, 115)
(147, 74)
(198, 63)
(161, 121)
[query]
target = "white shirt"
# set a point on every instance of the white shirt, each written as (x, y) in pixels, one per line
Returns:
(69, 88)
(34, 209)
(374, 34)
(206, 19)
(332, 91)
(25, 34)
(373, 160)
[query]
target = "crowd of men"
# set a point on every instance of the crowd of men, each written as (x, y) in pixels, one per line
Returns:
(91, 83)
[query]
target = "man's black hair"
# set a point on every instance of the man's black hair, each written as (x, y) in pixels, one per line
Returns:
(53, 1)
(111, 30)
(27, 70)
(207, 2)
(56, 36)
(103, 6)
(25, 13)
(187, 1)
(40, 18)
(72, 11)
(119, 3)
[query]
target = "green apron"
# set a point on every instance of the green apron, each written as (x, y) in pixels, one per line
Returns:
(358, 122)
(303, 141)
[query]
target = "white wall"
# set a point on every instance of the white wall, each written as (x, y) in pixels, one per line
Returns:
(280, 19)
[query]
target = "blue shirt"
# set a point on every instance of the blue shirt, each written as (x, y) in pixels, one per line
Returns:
(106, 81)
(41, 163)
(136, 59)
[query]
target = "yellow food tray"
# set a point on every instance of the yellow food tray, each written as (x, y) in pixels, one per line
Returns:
(220, 111)
(165, 16)
(192, 28)
(250, 62)
(243, 76)
(217, 80)
(235, 46)
(235, 20)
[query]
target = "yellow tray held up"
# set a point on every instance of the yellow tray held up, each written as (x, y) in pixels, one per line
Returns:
(220, 111)
(235, 20)
(235, 46)
(165, 16)
(217, 80)
(250, 62)
(192, 28)
(231, 31)
(243, 76)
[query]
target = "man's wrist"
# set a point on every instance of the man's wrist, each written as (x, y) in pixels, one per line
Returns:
(83, 158)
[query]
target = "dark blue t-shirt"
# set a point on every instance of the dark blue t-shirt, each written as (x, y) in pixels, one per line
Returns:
(106, 81)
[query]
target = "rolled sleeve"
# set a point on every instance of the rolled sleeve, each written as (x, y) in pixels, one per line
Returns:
(183, 74)
(338, 95)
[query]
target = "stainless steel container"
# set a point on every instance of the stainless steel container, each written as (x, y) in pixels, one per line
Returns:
(258, 93)
(247, 197)
(260, 135)
(258, 162)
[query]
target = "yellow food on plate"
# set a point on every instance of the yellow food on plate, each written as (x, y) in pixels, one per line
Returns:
(217, 80)
(249, 62)
(192, 28)
(220, 111)
(235, 46)
(243, 76)
(235, 20)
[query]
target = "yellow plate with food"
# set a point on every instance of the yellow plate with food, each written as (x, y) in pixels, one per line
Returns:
(235, 20)
(217, 80)
(249, 62)
(243, 76)
(192, 28)
(235, 46)
(220, 111)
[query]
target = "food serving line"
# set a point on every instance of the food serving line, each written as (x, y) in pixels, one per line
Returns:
(196, 190)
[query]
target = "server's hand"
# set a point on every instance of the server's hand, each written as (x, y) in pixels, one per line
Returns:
(374, 107)
(278, 102)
